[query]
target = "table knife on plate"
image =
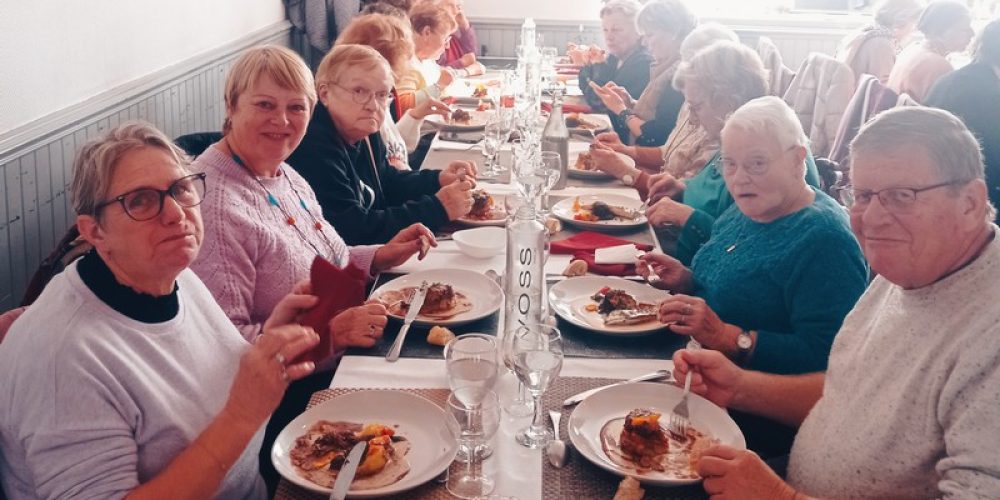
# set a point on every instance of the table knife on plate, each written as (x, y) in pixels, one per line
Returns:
(411, 314)
(659, 374)
(347, 471)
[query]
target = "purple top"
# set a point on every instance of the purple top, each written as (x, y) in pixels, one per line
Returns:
(463, 41)
(251, 257)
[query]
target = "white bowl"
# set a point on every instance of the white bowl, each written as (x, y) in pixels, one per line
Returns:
(481, 242)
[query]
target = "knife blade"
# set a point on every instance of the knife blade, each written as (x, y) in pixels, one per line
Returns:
(411, 314)
(658, 374)
(347, 471)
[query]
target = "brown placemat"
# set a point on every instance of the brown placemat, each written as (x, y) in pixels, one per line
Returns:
(580, 478)
(429, 491)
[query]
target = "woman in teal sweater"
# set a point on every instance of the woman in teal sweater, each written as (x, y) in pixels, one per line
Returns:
(772, 285)
(715, 82)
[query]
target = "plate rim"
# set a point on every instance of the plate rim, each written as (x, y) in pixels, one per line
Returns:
(610, 466)
(581, 324)
(377, 492)
(640, 221)
(450, 321)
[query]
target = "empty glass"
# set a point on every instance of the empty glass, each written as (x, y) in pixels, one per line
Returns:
(520, 406)
(495, 135)
(549, 167)
(471, 361)
(538, 358)
(478, 423)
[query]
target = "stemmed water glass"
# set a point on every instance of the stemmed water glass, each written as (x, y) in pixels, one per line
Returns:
(471, 361)
(520, 406)
(538, 358)
(478, 423)
(549, 168)
(494, 136)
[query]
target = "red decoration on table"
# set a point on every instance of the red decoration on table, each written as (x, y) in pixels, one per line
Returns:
(338, 289)
(582, 245)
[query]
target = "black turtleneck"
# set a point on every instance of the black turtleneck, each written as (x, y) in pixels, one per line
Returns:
(138, 306)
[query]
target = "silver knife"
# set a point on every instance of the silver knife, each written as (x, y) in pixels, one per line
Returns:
(411, 314)
(659, 374)
(347, 471)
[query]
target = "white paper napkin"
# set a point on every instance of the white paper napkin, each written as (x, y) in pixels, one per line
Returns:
(621, 254)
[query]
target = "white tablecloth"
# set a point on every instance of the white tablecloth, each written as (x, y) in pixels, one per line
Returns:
(517, 470)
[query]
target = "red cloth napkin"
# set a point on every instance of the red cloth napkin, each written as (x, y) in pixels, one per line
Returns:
(568, 108)
(338, 289)
(581, 246)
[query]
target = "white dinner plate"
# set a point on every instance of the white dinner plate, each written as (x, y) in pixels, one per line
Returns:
(570, 297)
(601, 120)
(594, 174)
(564, 211)
(499, 214)
(591, 415)
(424, 424)
(477, 121)
(484, 293)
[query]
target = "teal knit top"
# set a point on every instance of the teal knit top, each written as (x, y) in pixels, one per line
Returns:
(792, 280)
(707, 194)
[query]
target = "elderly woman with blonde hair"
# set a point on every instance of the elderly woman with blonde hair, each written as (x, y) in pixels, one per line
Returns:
(432, 27)
(391, 37)
(781, 270)
(872, 50)
(125, 377)
(343, 156)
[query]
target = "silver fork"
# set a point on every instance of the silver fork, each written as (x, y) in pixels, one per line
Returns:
(679, 417)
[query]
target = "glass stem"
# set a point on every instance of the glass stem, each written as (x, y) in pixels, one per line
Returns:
(538, 423)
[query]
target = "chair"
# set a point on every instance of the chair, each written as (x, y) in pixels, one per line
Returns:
(819, 94)
(69, 248)
(829, 176)
(779, 75)
(196, 144)
(871, 98)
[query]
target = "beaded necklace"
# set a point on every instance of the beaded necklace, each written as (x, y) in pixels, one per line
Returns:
(289, 218)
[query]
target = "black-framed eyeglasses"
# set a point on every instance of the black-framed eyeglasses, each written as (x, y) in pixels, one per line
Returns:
(362, 95)
(894, 199)
(146, 203)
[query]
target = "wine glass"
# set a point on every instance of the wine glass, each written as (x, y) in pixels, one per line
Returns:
(549, 167)
(478, 423)
(538, 358)
(494, 136)
(471, 361)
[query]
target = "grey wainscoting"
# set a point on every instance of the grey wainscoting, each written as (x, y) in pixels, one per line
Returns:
(36, 159)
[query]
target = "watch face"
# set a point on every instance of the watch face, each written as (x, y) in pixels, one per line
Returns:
(744, 341)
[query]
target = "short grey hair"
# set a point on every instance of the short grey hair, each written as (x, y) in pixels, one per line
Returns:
(952, 148)
(95, 164)
(941, 15)
(730, 72)
(894, 14)
(772, 116)
(627, 8)
(705, 35)
(666, 16)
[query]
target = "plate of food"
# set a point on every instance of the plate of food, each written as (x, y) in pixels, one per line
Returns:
(461, 120)
(587, 122)
(601, 212)
(405, 448)
(455, 296)
(584, 167)
(622, 429)
(468, 91)
(608, 305)
(487, 210)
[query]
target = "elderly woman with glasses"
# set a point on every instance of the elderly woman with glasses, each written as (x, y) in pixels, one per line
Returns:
(343, 157)
(781, 270)
(908, 407)
(125, 377)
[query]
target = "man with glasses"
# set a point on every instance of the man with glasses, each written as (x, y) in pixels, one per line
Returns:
(909, 406)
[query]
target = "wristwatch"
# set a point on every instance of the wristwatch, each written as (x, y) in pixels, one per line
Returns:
(624, 114)
(744, 345)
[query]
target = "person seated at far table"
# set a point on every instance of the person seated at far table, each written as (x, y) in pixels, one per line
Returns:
(772, 285)
(626, 63)
(947, 28)
(343, 157)
(125, 377)
(872, 49)
(908, 406)
(649, 120)
(463, 46)
(391, 37)
(431, 27)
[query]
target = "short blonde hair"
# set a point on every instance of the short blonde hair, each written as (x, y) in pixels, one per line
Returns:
(283, 66)
(894, 14)
(430, 15)
(94, 167)
(349, 57)
(389, 35)
(731, 73)
(627, 8)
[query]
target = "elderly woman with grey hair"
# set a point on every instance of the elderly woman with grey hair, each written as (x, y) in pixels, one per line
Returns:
(908, 407)
(125, 377)
(781, 270)
(872, 49)
(947, 28)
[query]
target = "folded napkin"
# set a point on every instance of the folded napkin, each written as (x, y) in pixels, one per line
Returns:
(621, 254)
(583, 245)
(338, 289)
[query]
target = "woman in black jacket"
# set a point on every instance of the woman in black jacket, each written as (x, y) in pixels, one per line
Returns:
(343, 157)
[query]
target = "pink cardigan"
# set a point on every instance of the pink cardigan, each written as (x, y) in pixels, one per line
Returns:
(251, 257)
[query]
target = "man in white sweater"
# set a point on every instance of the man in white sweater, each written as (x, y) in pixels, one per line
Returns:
(910, 404)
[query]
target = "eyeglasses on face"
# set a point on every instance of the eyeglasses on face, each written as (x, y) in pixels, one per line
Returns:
(756, 166)
(894, 199)
(146, 203)
(362, 95)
